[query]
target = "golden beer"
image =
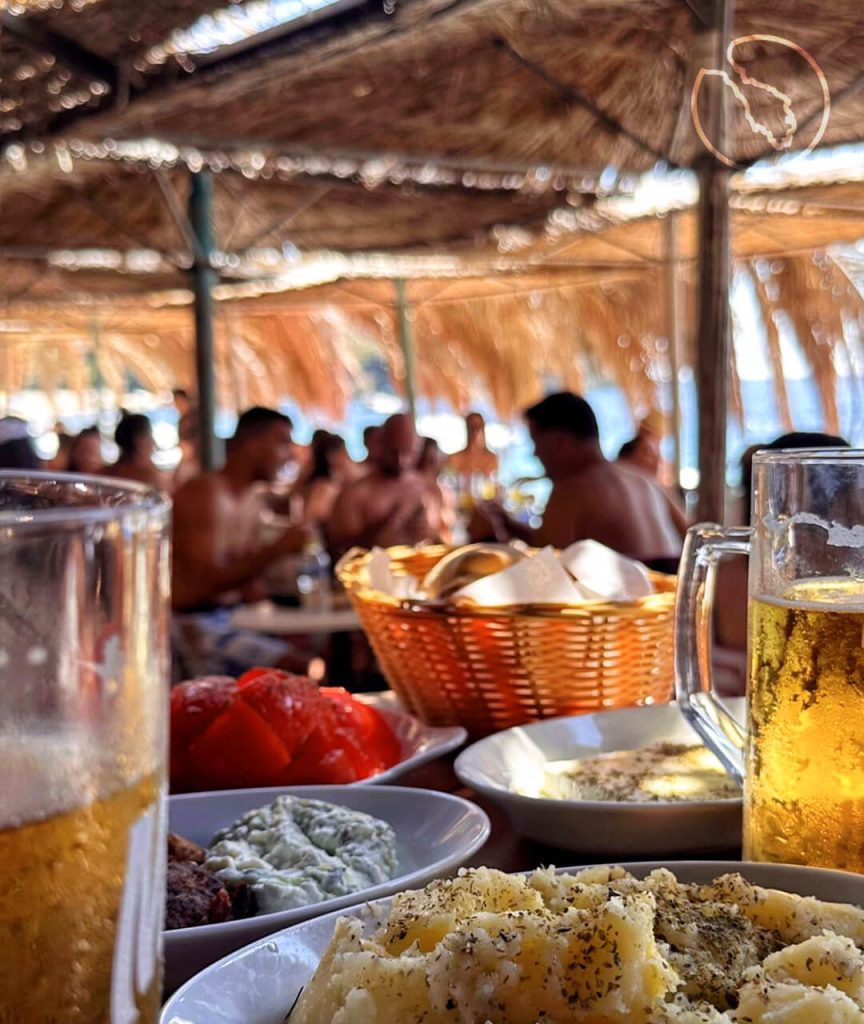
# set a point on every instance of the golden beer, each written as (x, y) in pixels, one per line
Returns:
(805, 758)
(80, 893)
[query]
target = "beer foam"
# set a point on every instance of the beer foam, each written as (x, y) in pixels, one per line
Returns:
(830, 593)
(44, 775)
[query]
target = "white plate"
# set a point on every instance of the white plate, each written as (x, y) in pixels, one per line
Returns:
(259, 984)
(420, 743)
(505, 762)
(435, 834)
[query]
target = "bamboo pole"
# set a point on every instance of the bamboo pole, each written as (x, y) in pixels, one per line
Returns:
(203, 281)
(673, 333)
(714, 321)
(406, 343)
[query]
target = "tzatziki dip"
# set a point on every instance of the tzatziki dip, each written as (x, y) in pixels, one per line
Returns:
(296, 852)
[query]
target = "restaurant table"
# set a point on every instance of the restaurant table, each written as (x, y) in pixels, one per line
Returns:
(266, 617)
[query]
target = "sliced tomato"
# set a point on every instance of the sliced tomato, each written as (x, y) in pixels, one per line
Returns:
(324, 759)
(238, 750)
(290, 705)
(195, 706)
(379, 743)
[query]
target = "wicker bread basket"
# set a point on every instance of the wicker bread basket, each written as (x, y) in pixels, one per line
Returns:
(489, 669)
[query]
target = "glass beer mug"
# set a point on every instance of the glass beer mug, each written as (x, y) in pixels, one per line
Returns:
(801, 757)
(83, 709)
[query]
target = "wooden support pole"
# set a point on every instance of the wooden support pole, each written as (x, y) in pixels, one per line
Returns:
(714, 320)
(406, 343)
(203, 281)
(673, 333)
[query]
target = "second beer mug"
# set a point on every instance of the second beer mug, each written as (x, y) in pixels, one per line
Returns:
(802, 760)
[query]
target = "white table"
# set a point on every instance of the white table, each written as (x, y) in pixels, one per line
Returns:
(266, 617)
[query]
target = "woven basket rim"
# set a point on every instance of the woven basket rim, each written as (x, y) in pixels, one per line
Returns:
(349, 566)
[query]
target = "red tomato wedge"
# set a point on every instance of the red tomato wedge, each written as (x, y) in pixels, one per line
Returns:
(271, 728)
(238, 750)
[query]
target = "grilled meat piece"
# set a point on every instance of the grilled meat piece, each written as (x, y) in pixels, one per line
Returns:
(194, 897)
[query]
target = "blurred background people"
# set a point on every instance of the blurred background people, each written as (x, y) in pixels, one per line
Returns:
(330, 470)
(591, 497)
(16, 445)
(475, 459)
(430, 465)
(219, 559)
(373, 437)
(60, 462)
(134, 438)
(641, 454)
(394, 503)
(85, 453)
(217, 553)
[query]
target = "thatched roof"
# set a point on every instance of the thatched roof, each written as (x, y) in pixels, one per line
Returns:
(122, 210)
(549, 81)
(501, 334)
(483, 130)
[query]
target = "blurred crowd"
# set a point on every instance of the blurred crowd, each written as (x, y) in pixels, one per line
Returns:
(242, 532)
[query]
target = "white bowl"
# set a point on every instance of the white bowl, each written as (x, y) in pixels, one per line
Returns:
(502, 765)
(435, 834)
(258, 985)
(420, 743)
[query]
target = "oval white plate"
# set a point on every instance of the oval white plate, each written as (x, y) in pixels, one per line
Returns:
(507, 767)
(258, 985)
(420, 743)
(435, 834)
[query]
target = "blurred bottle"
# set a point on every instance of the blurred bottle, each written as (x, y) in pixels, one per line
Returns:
(314, 578)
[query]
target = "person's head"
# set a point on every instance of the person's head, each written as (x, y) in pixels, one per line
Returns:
(85, 454)
(16, 446)
(475, 428)
(262, 443)
(182, 401)
(400, 445)
(431, 459)
(564, 431)
(330, 458)
(373, 438)
(134, 437)
(642, 451)
(795, 439)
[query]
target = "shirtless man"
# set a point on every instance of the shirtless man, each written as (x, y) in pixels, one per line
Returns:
(393, 503)
(134, 438)
(372, 436)
(217, 555)
(642, 455)
(591, 498)
(475, 459)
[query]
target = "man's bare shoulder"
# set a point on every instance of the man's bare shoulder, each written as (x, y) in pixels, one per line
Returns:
(207, 487)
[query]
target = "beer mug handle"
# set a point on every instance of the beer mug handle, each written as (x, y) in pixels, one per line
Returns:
(704, 546)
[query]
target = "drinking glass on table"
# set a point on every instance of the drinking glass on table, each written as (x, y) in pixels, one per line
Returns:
(83, 722)
(802, 759)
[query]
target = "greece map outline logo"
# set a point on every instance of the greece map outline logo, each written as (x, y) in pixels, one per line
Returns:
(738, 77)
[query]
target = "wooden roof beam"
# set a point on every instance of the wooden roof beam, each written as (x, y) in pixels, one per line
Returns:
(67, 52)
(451, 161)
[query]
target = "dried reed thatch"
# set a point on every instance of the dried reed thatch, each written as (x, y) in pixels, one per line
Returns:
(507, 336)
(587, 82)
